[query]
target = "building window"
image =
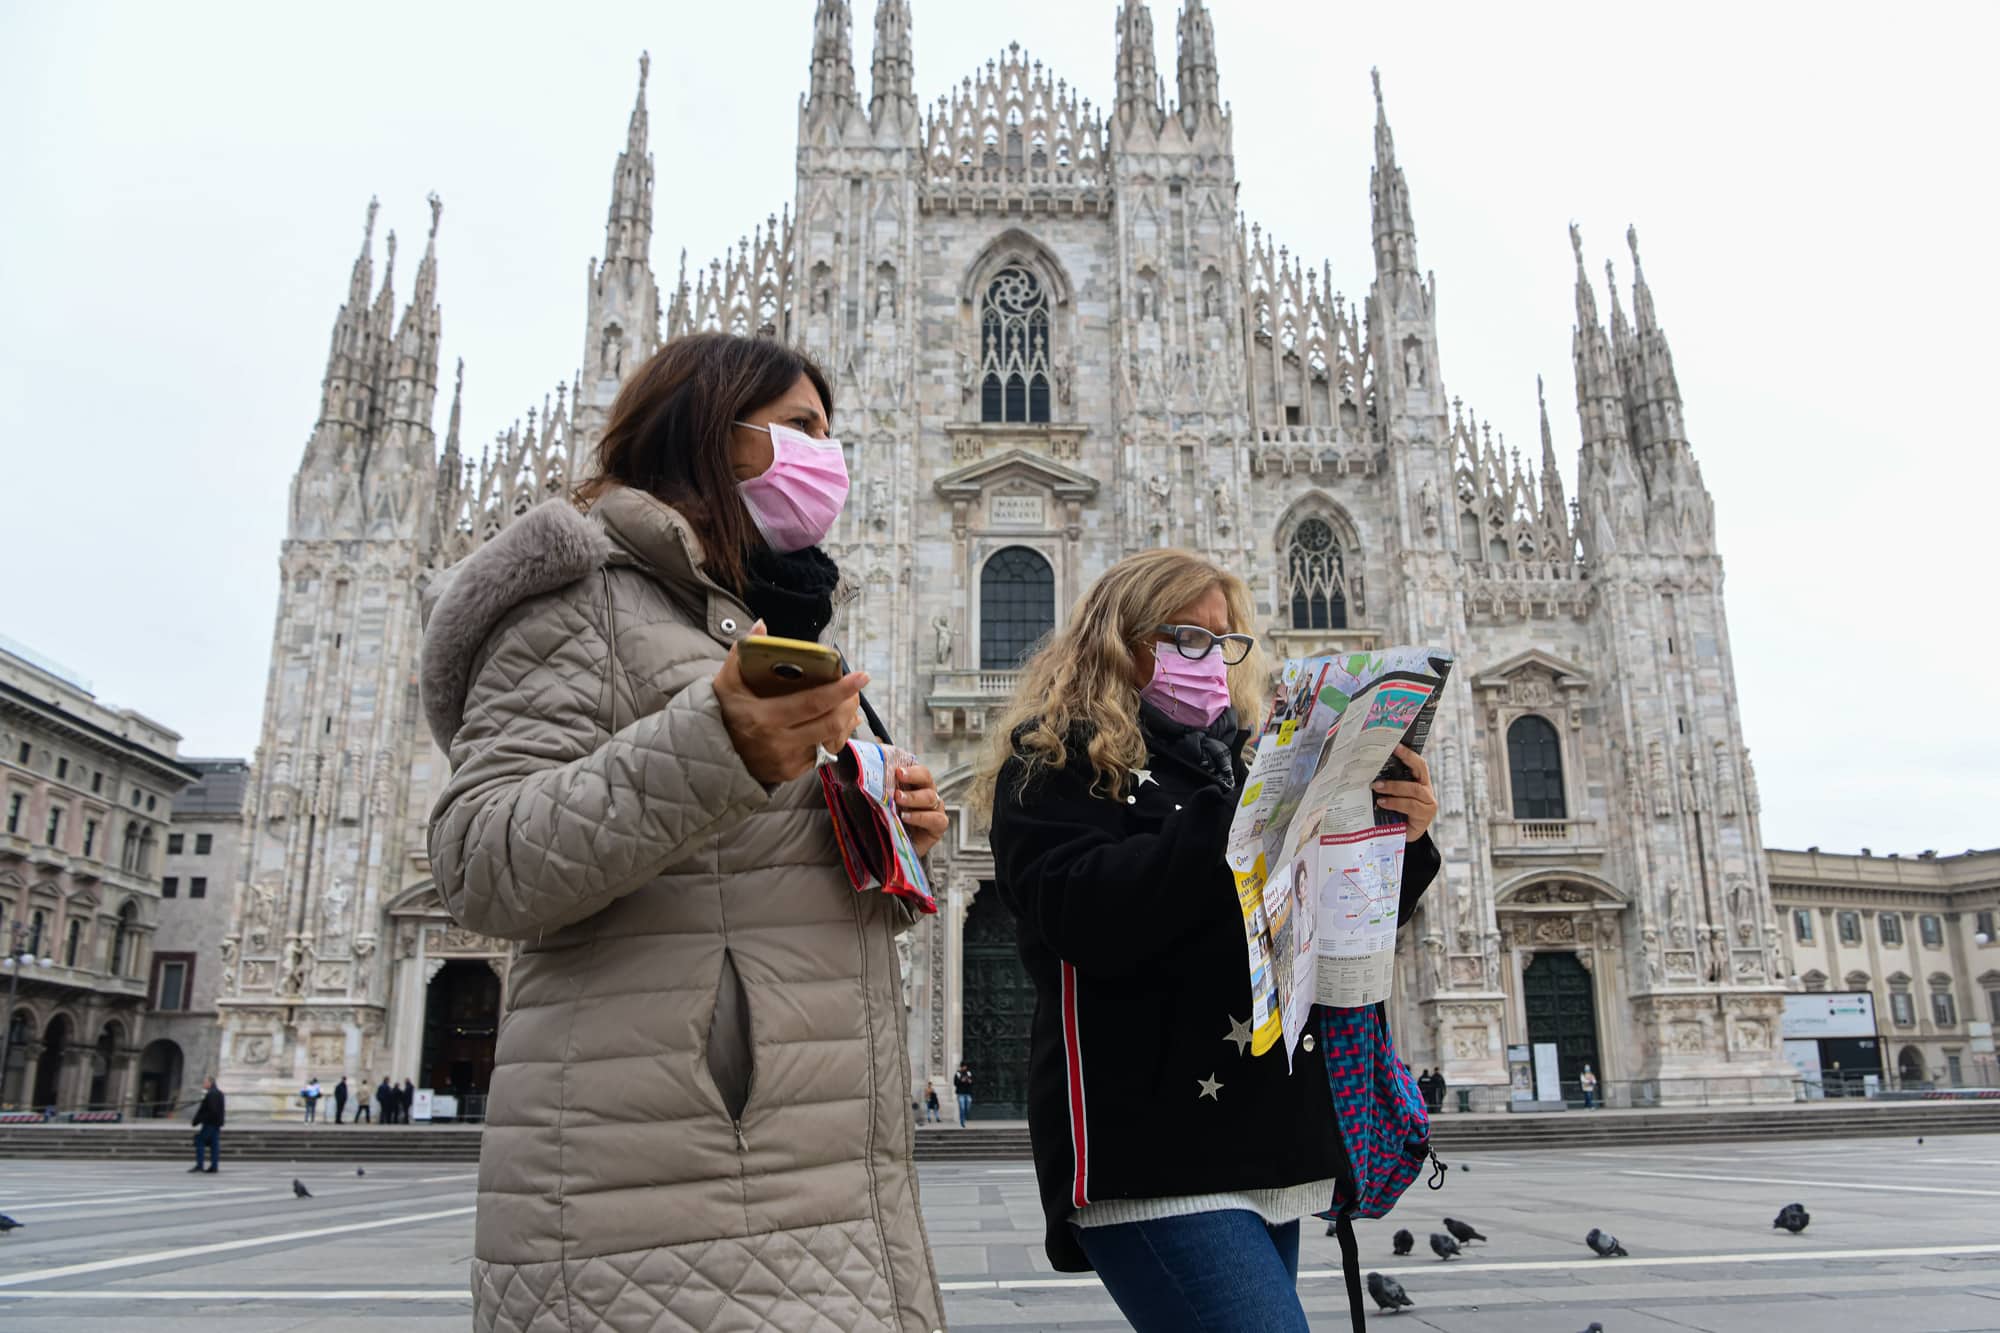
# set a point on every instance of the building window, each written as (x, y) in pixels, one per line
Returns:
(151, 802)
(90, 837)
(37, 923)
(204, 843)
(54, 838)
(1943, 1012)
(1802, 925)
(1850, 927)
(16, 803)
(198, 887)
(62, 770)
(170, 983)
(72, 942)
(1534, 763)
(136, 794)
(1983, 923)
(27, 752)
(1017, 606)
(1902, 1010)
(97, 783)
(1014, 348)
(1315, 577)
(123, 939)
(174, 844)
(170, 887)
(1993, 1004)
(1931, 930)
(1892, 928)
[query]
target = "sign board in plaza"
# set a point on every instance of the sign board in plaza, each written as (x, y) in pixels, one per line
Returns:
(1829, 1014)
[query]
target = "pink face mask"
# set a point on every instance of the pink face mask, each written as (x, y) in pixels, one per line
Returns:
(1191, 691)
(799, 496)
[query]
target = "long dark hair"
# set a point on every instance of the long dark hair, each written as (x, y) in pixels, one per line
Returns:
(668, 434)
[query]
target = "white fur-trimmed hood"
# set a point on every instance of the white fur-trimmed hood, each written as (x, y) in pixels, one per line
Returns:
(549, 547)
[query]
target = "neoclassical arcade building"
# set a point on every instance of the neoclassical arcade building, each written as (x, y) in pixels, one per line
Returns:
(1055, 341)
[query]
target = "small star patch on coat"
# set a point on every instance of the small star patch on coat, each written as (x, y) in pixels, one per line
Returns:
(1144, 775)
(1209, 1088)
(1239, 1032)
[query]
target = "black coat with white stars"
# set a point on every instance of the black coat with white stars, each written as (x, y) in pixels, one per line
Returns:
(1140, 1082)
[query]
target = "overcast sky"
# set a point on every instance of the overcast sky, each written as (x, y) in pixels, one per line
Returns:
(183, 191)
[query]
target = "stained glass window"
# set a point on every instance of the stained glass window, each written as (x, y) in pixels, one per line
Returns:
(1534, 761)
(1315, 578)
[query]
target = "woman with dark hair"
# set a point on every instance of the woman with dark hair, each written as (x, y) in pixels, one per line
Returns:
(700, 1105)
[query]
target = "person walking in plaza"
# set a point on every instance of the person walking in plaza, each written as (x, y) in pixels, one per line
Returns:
(385, 1099)
(340, 1101)
(1588, 1082)
(961, 1084)
(310, 1095)
(931, 1103)
(208, 1117)
(406, 1096)
(1170, 1160)
(702, 1067)
(361, 1099)
(1438, 1086)
(1424, 1088)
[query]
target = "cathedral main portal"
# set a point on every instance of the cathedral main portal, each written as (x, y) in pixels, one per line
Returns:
(1556, 991)
(999, 1010)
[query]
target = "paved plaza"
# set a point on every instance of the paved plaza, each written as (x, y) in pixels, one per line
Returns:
(1905, 1237)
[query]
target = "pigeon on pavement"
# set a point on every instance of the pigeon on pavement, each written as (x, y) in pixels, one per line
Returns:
(1388, 1293)
(1793, 1218)
(1443, 1246)
(1593, 1327)
(299, 1191)
(360, 1170)
(1404, 1241)
(7, 1224)
(1461, 1231)
(1604, 1244)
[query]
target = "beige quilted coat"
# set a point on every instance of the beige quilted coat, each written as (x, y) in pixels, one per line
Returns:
(700, 1111)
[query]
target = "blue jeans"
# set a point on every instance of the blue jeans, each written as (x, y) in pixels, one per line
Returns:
(964, 1106)
(1217, 1272)
(209, 1137)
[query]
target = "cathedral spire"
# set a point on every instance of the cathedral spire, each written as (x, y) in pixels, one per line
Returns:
(350, 355)
(892, 94)
(628, 228)
(1138, 80)
(1200, 87)
(1395, 231)
(832, 56)
(412, 378)
(1555, 510)
(1600, 399)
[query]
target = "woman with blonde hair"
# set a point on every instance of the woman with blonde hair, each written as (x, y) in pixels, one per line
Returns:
(1171, 1160)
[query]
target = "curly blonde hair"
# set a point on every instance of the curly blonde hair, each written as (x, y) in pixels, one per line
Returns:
(1083, 675)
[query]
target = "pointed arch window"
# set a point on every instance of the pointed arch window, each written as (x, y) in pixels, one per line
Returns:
(1315, 577)
(1017, 606)
(1014, 368)
(1534, 763)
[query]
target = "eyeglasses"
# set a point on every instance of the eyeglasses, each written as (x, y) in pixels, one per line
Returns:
(1196, 642)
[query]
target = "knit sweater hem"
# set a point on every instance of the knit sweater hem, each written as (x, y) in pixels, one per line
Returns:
(1275, 1206)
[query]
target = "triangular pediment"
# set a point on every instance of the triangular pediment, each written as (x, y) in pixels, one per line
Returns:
(1565, 674)
(975, 479)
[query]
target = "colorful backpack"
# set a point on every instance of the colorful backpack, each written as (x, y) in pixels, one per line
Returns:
(1383, 1124)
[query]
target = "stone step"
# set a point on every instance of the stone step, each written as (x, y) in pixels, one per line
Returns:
(447, 1145)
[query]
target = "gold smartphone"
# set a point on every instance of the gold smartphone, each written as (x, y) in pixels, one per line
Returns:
(774, 666)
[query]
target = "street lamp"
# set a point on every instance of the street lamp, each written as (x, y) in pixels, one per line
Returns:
(18, 956)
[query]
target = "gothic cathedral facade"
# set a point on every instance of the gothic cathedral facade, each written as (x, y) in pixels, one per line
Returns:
(1053, 341)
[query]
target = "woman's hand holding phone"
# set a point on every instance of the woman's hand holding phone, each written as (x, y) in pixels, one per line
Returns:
(779, 737)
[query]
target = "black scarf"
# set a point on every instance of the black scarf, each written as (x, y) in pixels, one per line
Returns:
(1210, 750)
(791, 593)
